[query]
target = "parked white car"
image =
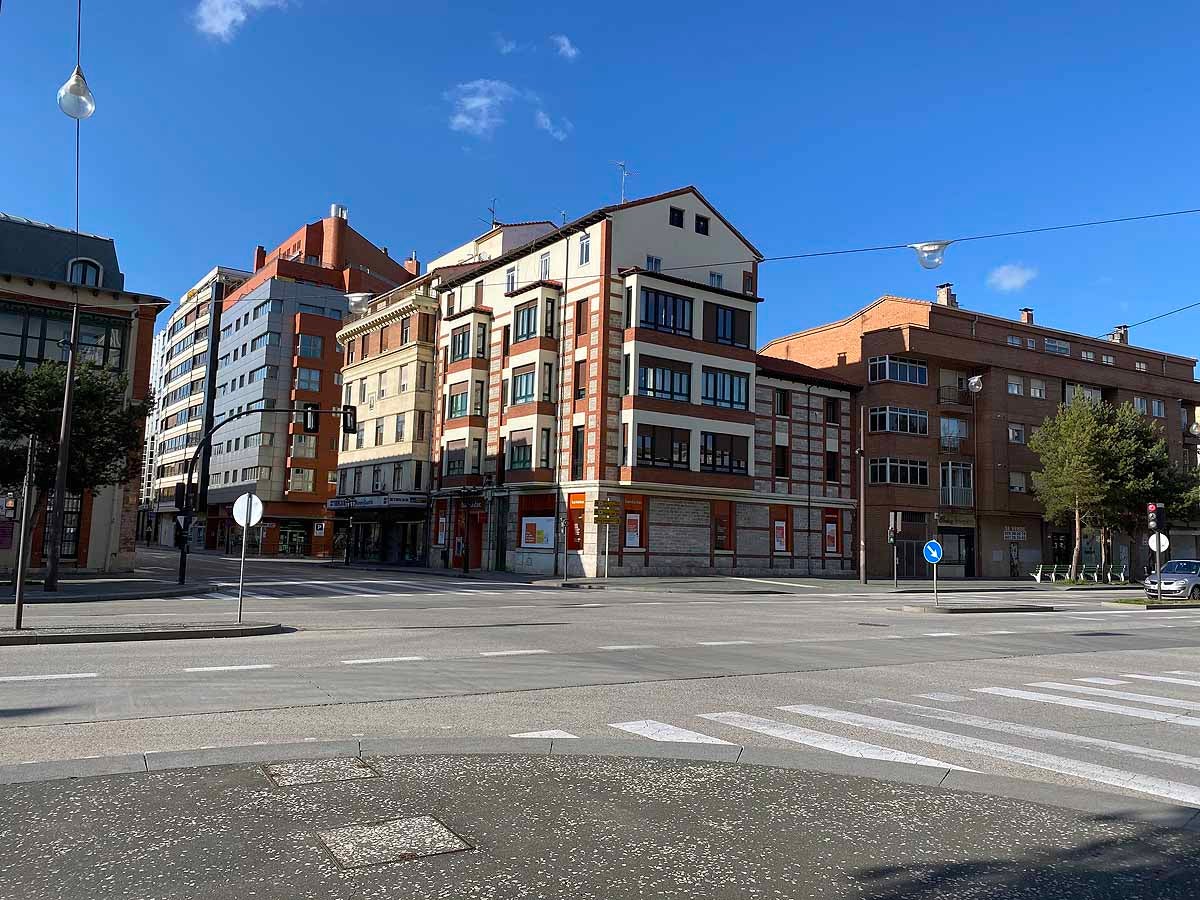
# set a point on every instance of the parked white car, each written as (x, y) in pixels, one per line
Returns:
(1180, 578)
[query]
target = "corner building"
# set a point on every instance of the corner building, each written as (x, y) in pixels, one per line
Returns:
(955, 464)
(613, 358)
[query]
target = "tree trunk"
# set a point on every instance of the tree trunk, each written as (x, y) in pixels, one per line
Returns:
(28, 523)
(1077, 555)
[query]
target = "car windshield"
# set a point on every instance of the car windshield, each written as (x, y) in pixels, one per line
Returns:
(1181, 567)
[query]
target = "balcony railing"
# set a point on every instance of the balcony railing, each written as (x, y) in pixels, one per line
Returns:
(957, 496)
(951, 396)
(954, 443)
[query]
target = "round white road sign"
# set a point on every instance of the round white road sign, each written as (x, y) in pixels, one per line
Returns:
(1159, 542)
(247, 510)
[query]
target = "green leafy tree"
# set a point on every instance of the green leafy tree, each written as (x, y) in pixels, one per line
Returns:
(106, 428)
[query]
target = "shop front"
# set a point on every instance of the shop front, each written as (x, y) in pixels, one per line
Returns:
(383, 528)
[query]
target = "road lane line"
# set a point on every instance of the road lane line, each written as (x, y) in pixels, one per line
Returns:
(940, 634)
(511, 652)
(228, 668)
(552, 733)
(822, 741)
(721, 643)
(1132, 711)
(945, 698)
(1151, 699)
(661, 731)
(958, 718)
(1000, 632)
(48, 677)
(381, 659)
(628, 647)
(1109, 681)
(1146, 784)
(791, 584)
(1189, 682)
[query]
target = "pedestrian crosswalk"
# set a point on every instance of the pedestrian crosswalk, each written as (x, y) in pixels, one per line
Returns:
(991, 729)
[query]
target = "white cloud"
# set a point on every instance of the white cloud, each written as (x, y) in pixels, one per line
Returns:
(505, 45)
(479, 106)
(222, 18)
(1010, 277)
(563, 44)
(559, 132)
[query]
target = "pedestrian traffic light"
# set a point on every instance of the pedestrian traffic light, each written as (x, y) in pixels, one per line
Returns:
(349, 419)
(311, 423)
(1152, 516)
(180, 496)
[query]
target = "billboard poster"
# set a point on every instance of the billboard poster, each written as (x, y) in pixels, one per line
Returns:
(537, 532)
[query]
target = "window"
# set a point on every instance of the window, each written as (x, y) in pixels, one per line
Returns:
(405, 329)
(664, 378)
(722, 527)
(1016, 385)
(957, 484)
(262, 309)
(476, 456)
(522, 387)
(309, 379)
(262, 373)
(1157, 409)
(403, 379)
(420, 435)
(899, 419)
(304, 446)
(723, 453)
(724, 388)
(510, 279)
(666, 312)
(544, 267)
(1087, 355)
(580, 379)
(378, 432)
(506, 340)
(301, 480)
(311, 310)
(833, 466)
(953, 433)
(460, 343)
(1037, 388)
(1140, 365)
(418, 469)
(725, 325)
(358, 479)
(458, 401)
(577, 437)
(481, 345)
(1139, 403)
(266, 339)
(585, 249)
(1016, 433)
(715, 279)
(653, 263)
(547, 381)
(549, 318)
(381, 387)
(1108, 359)
(376, 478)
(85, 272)
(1030, 344)
(660, 446)
(783, 461)
(544, 450)
(1077, 391)
(1014, 341)
(480, 399)
(343, 475)
(520, 450)
(701, 224)
(360, 436)
(783, 404)
(675, 217)
(397, 477)
(311, 345)
(526, 322)
(1016, 482)
(456, 457)
(913, 472)
(422, 375)
(1056, 346)
(894, 368)
(581, 317)
(748, 283)
(833, 411)
(400, 427)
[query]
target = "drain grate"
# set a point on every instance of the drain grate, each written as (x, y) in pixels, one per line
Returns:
(317, 771)
(357, 846)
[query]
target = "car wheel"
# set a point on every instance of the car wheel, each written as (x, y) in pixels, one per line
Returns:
(1194, 595)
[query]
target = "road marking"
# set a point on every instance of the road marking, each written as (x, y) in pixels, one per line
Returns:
(1102, 680)
(949, 715)
(945, 698)
(941, 634)
(720, 643)
(1163, 678)
(48, 677)
(228, 668)
(510, 652)
(629, 647)
(1151, 699)
(822, 741)
(661, 731)
(999, 632)
(552, 733)
(809, 587)
(1146, 784)
(1132, 711)
(1181, 672)
(381, 659)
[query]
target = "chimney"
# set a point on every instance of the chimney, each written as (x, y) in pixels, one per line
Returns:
(1120, 335)
(945, 295)
(384, 249)
(260, 257)
(413, 265)
(1027, 315)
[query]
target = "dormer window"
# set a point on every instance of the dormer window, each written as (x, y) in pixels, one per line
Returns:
(84, 271)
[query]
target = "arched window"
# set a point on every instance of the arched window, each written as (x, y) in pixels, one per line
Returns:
(84, 271)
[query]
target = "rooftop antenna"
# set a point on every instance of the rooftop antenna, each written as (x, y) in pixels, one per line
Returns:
(625, 173)
(492, 210)
(563, 213)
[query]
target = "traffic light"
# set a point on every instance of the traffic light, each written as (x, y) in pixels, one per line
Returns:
(180, 495)
(1152, 516)
(349, 419)
(311, 423)
(10, 506)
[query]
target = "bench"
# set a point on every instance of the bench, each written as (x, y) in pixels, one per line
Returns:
(1053, 573)
(1089, 573)
(1117, 574)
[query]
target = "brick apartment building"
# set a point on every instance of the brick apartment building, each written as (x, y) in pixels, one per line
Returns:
(275, 347)
(955, 464)
(576, 367)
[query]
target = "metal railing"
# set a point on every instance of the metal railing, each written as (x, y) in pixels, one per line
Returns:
(953, 396)
(954, 443)
(957, 496)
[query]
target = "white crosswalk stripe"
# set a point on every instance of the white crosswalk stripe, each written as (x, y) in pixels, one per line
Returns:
(1109, 681)
(1078, 703)
(661, 731)
(1146, 784)
(820, 740)
(1150, 699)
(1165, 679)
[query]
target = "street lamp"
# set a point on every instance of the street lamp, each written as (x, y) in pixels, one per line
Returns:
(931, 254)
(75, 97)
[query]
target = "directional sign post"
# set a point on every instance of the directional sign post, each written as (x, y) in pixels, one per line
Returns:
(607, 513)
(247, 512)
(933, 556)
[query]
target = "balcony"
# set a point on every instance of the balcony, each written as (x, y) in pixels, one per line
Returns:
(954, 443)
(948, 395)
(957, 496)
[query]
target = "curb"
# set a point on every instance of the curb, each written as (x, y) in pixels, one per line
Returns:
(1151, 605)
(164, 633)
(951, 610)
(177, 590)
(1132, 809)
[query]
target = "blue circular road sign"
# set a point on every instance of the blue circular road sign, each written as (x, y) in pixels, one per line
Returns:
(933, 552)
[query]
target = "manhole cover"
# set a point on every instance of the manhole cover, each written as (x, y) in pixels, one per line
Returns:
(356, 846)
(315, 771)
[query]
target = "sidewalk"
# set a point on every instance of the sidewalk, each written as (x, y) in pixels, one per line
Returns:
(92, 588)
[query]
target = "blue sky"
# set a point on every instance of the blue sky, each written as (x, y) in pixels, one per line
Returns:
(226, 123)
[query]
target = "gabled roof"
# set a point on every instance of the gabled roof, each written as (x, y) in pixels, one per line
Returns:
(687, 189)
(774, 367)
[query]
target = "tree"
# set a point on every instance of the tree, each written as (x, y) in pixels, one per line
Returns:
(106, 429)
(1071, 482)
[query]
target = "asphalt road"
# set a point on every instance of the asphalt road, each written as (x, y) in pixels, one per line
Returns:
(1090, 696)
